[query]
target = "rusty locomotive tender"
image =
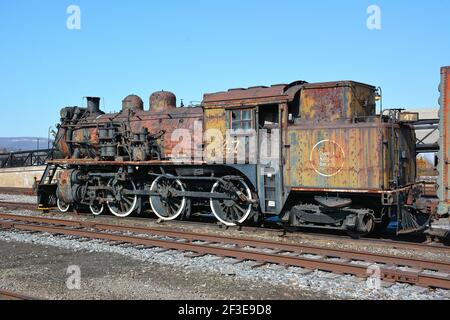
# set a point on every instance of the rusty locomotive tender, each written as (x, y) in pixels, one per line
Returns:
(333, 161)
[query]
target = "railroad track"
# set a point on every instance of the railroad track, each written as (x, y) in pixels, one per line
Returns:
(421, 272)
(9, 295)
(18, 205)
(17, 191)
(390, 243)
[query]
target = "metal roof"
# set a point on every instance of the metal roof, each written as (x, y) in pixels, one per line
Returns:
(244, 94)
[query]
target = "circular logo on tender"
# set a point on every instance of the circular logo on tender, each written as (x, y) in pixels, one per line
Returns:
(327, 158)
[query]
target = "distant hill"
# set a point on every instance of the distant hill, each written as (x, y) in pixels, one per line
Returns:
(23, 144)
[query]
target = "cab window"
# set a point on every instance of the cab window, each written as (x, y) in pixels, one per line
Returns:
(241, 119)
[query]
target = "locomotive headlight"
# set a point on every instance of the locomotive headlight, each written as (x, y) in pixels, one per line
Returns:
(378, 94)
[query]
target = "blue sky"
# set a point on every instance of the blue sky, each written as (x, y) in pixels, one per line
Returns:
(193, 47)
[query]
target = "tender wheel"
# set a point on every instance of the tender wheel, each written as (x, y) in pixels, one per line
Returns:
(62, 206)
(123, 204)
(365, 227)
(235, 210)
(97, 208)
(166, 205)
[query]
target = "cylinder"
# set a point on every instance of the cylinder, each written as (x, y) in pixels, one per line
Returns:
(132, 102)
(162, 101)
(93, 104)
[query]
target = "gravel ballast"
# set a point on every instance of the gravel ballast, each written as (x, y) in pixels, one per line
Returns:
(301, 283)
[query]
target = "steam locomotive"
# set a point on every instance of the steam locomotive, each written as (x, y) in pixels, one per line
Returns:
(302, 154)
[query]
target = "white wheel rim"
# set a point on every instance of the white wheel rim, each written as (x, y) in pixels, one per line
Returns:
(61, 207)
(180, 210)
(227, 223)
(126, 214)
(95, 212)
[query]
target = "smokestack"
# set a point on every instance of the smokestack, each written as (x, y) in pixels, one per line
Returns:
(93, 105)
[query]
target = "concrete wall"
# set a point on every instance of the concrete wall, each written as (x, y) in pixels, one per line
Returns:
(20, 177)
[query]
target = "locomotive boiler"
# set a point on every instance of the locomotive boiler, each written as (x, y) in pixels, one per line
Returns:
(301, 154)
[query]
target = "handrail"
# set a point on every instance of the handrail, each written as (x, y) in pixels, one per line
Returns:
(25, 158)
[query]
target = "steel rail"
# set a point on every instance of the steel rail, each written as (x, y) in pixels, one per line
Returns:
(386, 273)
(17, 191)
(23, 205)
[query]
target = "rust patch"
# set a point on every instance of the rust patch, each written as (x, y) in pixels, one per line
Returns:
(338, 101)
(343, 157)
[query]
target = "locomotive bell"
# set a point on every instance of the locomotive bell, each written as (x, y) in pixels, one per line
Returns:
(132, 102)
(162, 101)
